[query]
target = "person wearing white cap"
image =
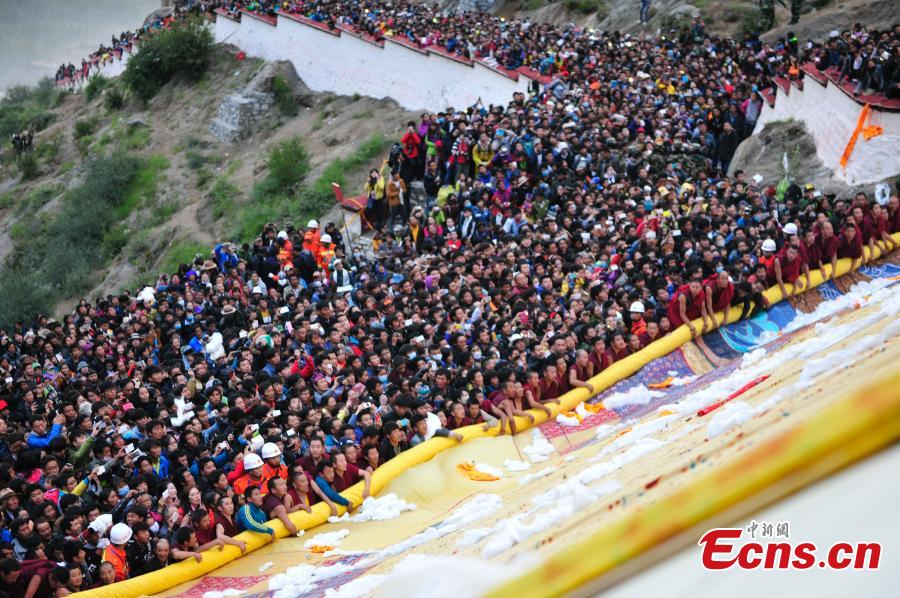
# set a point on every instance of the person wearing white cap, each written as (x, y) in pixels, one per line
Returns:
(327, 252)
(272, 465)
(311, 240)
(253, 477)
(114, 554)
(638, 325)
(285, 249)
(792, 237)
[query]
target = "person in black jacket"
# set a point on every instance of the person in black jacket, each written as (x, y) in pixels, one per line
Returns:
(727, 145)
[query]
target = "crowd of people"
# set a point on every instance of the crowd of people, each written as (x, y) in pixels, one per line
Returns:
(519, 251)
(68, 74)
(23, 141)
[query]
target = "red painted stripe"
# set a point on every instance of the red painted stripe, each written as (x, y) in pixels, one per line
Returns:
(734, 395)
(264, 18)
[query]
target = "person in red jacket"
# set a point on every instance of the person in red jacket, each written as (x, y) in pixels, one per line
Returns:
(792, 237)
(599, 358)
(893, 211)
(810, 251)
(850, 244)
(618, 347)
(688, 303)
(876, 228)
(411, 145)
(652, 333)
(719, 290)
(826, 246)
(785, 268)
(550, 382)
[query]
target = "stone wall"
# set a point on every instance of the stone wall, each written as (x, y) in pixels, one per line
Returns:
(345, 63)
(238, 112)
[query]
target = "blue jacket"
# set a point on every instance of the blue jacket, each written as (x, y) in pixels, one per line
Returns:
(226, 261)
(250, 517)
(43, 441)
(331, 492)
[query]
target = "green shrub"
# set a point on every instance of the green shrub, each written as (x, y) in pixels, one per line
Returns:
(25, 107)
(49, 148)
(84, 145)
(135, 137)
(17, 116)
(182, 252)
(586, 6)
(284, 97)
(750, 19)
(194, 142)
(144, 185)
(204, 176)
(23, 293)
(28, 165)
(163, 211)
(288, 164)
(47, 94)
(222, 198)
(183, 50)
(139, 245)
(114, 241)
(95, 87)
(113, 99)
(195, 160)
(55, 254)
(85, 126)
(38, 198)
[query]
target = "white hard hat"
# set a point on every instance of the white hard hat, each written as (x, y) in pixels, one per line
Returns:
(269, 449)
(768, 245)
(312, 224)
(637, 307)
(326, 238)
(120, 534)
(790, 228)
(252, 461)
(282, 235)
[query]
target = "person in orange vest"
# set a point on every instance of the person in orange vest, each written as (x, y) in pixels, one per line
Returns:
(285, 249)
(326, 254)
(114, 554)
(272, 465)
(768, 253)
(311, 239)
(253, 476)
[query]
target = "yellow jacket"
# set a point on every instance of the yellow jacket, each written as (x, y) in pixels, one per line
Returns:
(376, 188)
(482, 156)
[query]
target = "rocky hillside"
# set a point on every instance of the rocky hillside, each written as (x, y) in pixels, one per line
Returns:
(188, 187)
